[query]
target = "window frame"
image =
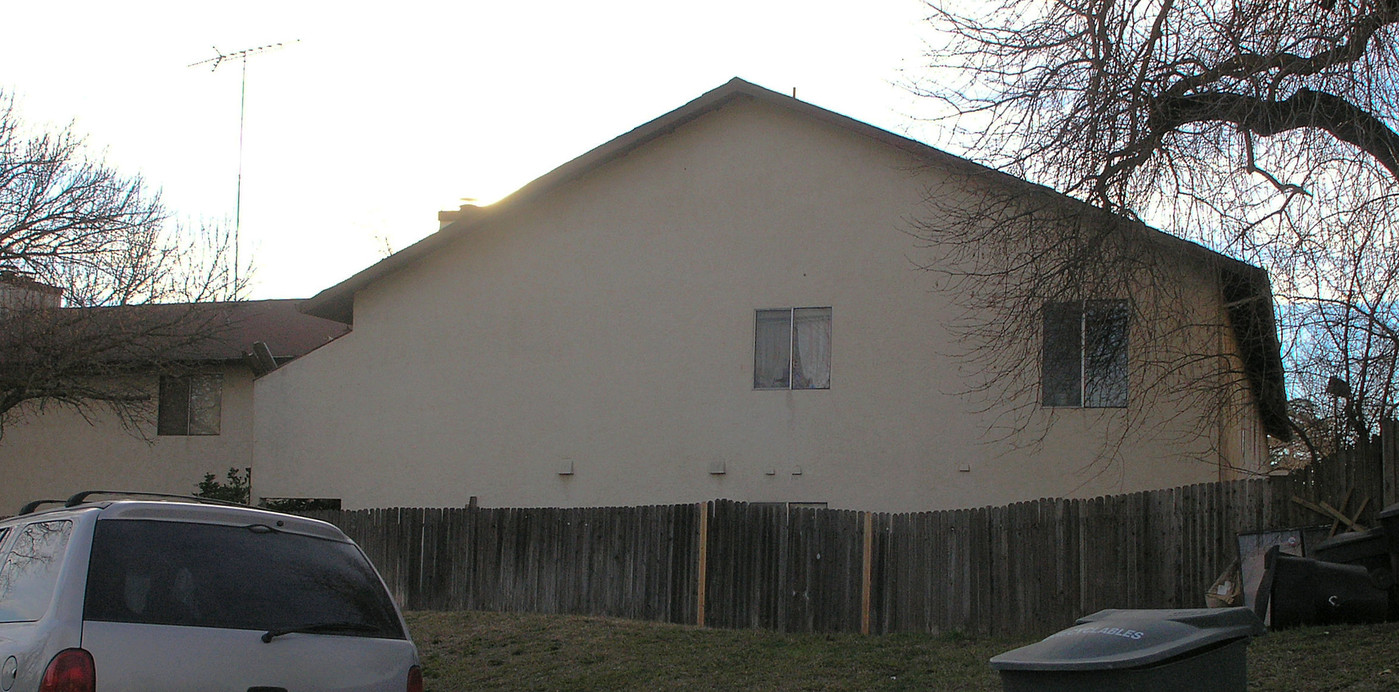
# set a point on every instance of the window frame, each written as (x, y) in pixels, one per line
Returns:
(794, 379)
(174, 420)
(1085, 354)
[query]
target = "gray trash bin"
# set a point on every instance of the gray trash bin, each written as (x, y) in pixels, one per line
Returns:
(1119, 650)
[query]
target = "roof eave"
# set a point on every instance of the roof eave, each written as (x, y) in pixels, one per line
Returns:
(1248, 296)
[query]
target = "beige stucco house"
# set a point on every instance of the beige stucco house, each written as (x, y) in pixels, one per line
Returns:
(201, 420)
(726, 302)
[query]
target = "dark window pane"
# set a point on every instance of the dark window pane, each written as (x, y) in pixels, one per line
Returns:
(200, 575)
(772, 352)
(173, 415)
(1061, 369)
(191, 405)
(1105, 353)
(30, 572)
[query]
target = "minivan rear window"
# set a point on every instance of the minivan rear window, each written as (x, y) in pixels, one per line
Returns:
(254, 578)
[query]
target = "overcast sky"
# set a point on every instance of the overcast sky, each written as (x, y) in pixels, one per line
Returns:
(374, 116)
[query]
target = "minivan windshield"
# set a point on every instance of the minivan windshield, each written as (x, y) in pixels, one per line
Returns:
(254, 578)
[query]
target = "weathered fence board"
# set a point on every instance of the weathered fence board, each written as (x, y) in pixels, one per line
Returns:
(1023, 569)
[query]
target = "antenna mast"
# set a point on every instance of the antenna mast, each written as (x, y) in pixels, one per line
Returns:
(213, 64)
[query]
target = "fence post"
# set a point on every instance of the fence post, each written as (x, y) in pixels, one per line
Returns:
(865, 574)
(703, 562)
(1389, 461)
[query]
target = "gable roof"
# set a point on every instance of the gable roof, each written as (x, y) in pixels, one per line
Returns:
(1250, 300)
(337, 302)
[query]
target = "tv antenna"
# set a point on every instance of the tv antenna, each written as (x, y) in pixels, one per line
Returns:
(213, 64)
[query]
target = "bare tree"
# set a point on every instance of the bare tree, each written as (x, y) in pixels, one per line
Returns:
(1345, 346)
(1128, 105)
(129, 277)
(1259, 129)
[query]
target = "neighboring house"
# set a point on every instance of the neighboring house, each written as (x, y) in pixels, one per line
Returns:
(202, 418)
(725, 303)
(20, 290)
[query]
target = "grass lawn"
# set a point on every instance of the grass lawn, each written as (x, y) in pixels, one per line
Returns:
(476, 651)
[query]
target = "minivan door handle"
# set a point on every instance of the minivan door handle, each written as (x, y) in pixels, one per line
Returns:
(261, 688)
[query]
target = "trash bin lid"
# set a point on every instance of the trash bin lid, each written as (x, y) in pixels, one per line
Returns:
(1118, 639)
(1351, 545)
(1350, 537)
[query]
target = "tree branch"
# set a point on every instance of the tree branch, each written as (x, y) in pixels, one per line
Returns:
(1304, 109)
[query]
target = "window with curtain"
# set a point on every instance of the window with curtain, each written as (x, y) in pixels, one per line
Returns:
(792, 349)
(190, 405)
(1084, 359)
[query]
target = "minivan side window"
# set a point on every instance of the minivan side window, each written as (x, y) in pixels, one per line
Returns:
(30, 572)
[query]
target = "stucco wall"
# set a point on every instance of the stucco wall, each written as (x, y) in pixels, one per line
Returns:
(57, 453)
(609, 329)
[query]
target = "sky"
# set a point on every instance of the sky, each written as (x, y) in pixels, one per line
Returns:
(372, 117)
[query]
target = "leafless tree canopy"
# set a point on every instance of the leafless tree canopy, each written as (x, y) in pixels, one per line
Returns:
(70, 221)
(1124, 103)
(1262, 129)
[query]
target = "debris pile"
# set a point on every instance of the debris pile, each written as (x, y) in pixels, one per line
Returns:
(1349, 578)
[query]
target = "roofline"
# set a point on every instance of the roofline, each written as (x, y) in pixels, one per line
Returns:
(212, 303)
(337, 302)
(292, 308)
(231, 360)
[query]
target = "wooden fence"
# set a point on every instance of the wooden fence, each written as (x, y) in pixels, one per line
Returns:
(1360, 477)
(631, 562)
(1025, 569)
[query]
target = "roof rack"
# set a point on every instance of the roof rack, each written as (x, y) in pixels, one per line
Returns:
(29, 508)
(82, 497)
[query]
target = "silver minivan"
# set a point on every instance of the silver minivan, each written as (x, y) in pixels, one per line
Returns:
(147, 596)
